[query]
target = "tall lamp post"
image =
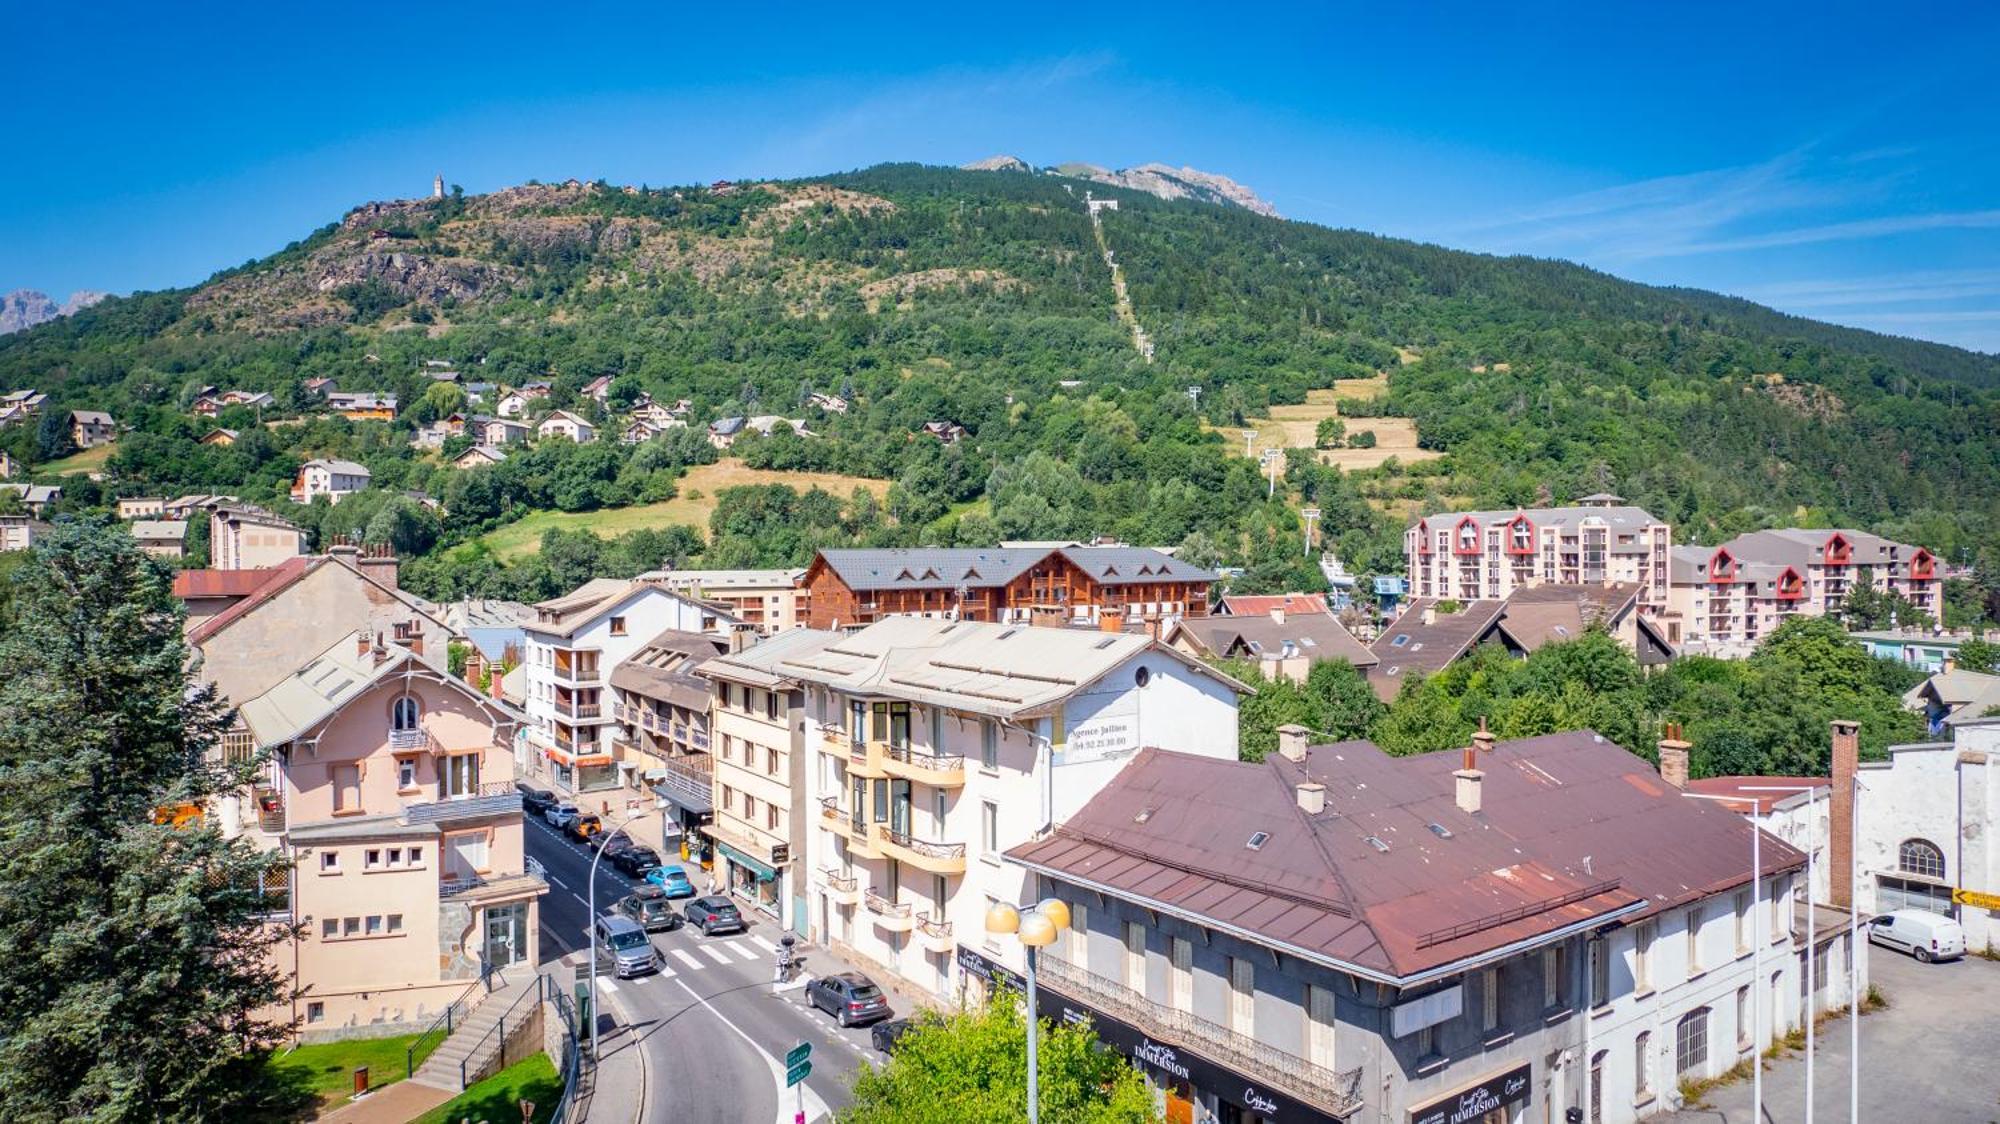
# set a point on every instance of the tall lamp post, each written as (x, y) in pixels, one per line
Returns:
(591, 922)
(1812, 918)
(1757, 942)
(1037, 927)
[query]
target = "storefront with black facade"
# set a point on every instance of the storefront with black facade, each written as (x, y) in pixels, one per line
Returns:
(1498, 1099)
(1189, 1079)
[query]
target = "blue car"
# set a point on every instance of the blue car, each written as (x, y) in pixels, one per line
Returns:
(673, 880)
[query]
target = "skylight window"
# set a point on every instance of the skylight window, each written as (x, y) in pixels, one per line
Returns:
(1440, 830)
(1377, 843)
(1257, 840)
(1401, 639)
(1006, 634)
(1105, 643)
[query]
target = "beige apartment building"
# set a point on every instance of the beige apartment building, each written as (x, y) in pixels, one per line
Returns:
(770, 601)
(1487, 555)
(246, 537)
(1724, 599)
(390, 788)
(758, 735)
(661, 704)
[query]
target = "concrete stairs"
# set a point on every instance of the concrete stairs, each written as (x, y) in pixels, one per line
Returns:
(476, 1036)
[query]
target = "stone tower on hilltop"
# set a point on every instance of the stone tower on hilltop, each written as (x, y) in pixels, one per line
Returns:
(437, 186)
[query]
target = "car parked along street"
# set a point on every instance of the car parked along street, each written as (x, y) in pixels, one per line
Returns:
(850, 997)
(714, 914)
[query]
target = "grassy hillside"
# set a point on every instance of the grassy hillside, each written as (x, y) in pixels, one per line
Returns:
(985, 299)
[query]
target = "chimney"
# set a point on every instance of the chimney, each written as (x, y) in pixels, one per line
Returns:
(741, 640)
(1674, 757)
(1482, 740)
(1840, 832)
(1312, 797)
(1111, 620)
(1277, 614)
(1153, 626)
(1469, 780)
(382, 567)
(1292, 741)
(1950, 663)
(361, 643)
(1430, 614)
(345, 554)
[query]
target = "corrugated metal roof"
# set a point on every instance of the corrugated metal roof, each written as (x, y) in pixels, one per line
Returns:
(221, 583)
(948, 568)
(1571, 828)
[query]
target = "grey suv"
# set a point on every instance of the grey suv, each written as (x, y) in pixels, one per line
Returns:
(625, 943)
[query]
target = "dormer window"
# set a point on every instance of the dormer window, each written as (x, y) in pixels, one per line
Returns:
(403, 714)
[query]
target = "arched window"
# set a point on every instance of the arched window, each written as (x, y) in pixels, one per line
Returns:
(403, 714)
(1691, 1044)
(1920, 857)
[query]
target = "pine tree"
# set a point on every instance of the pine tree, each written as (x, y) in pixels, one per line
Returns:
(135, 960)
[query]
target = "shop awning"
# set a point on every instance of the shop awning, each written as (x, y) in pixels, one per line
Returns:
(763, 870)
(695, 803)
(564, 757)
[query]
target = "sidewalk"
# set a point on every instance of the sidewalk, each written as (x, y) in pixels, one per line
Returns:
(614, 1090)
(397, 1104)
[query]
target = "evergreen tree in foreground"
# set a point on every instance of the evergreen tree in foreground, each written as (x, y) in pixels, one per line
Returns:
(133, 956)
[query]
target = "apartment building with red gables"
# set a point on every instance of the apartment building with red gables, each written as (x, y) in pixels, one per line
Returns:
(1063, 586)
(1487, 555)
(1724, 599)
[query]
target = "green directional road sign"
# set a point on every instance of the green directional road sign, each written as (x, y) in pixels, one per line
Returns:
(797, 1073)
(799, 1053)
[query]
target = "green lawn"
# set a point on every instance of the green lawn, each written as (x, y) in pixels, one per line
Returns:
(498, 1098)
(328, 1068)
(90, 460)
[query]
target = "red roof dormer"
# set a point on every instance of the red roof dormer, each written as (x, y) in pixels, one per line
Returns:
(1465, 537)
(1923, 565)
(1789, 586)
(1838, 552)
(1423, 536)
(1520, 535)
(1722, 566)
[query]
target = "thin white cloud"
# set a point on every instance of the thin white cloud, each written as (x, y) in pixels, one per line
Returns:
(1848, 231)
(1895, 288)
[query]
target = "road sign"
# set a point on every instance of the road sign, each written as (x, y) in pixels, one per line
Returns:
(799, 1053)
(1976, 899)
(797, 1073)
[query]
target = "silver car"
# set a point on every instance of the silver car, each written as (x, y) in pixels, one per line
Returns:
(624, 942)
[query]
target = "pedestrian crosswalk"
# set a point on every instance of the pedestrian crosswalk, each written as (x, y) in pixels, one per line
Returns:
(674, 961)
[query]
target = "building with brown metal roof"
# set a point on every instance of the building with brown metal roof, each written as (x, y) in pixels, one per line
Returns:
(1517, 928)
(1281, 643)
(1004, 585)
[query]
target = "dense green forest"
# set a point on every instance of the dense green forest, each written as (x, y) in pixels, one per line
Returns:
(981, 298)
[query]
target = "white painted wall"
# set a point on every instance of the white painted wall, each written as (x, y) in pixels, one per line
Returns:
(1945, 793)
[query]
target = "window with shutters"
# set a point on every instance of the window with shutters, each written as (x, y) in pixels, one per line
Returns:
(346, 788)
(1600, 972)
(989, 826)
(1242, 996)
(1642, 1067)
(1694, 942)
(989, 744)
(1742, 921)
(1135, 956)
(1597, 1087)
(1744, 1031)
(238, 747)
(1320, 1023)
(1489, 1000)
(1642, 958)
(1079, 934)
(1555, 962)
(1181, 997)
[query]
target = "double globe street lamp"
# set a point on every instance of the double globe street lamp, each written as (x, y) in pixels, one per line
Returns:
(1036, 927)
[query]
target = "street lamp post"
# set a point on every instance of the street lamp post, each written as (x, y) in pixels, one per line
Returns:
(591, 921)
(1812, 919)
(1037, 928)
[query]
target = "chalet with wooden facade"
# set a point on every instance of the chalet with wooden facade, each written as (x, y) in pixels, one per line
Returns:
(1008, 585)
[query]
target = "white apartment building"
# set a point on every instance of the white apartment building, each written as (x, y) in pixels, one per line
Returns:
(562, 423)
(1487, 555)
(1724, 599)
(932, 746)
(334, 479)
(770, 601)
(572, 644)
(1929, 818)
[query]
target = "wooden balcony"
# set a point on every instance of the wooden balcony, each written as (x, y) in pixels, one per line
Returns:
(911, 763)
(893, 917)
(937, 858)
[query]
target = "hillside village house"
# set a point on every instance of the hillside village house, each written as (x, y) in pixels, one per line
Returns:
(723, 432)
(161, 538)
(831, 403)
(334, 479)
(35, 497)
(141, 507)
(1725, 598)
(1282, 644)
(562, 423)
(19, 532)
(1487, 555)
(1430, 634)
(479, 456)
(497, 431)
(391, 790)
(917, 751)
(598, 389)
(19, 405)
(1501, 933)
(363, 407)
(1069, 585)
(574, 644)
(246, 537)
(8, 466)
(218, 436)
(769, 601)
(638, 431)
(662, 706)
(91, 428)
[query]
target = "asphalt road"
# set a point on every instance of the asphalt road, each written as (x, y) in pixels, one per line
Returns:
(713, 1031)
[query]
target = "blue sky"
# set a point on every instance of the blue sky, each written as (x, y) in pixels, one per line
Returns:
(1838, 161)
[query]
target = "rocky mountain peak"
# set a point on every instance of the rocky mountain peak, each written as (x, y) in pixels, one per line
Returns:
(1162, 180)
(25, 308)
(998, 164)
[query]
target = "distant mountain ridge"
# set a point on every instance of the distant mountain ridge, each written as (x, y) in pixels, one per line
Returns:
(25, 308)
(1161, 180)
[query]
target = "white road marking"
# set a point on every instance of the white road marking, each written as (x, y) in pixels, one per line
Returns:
(714, 954)
(816, 1106)
(760, 942)
(682, 955)
(738, 948)
(606, 983)
(557, 881)
(667, 973)
(580, 901)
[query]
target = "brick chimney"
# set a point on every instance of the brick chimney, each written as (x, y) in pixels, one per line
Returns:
(1840, 832)
(382, 566)
(1674, 757)
(1111, 620)
(1470, 780)
(1292, 741)
(1482, 738)
(1277, 614)
(1312, 798)
(361, 643)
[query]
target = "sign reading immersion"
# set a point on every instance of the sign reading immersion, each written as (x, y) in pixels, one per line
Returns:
(1469, 1105)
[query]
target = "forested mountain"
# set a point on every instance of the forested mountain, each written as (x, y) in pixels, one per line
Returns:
(985, 298)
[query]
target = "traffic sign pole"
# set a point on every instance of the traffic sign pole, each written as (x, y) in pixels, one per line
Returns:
(798, 1063)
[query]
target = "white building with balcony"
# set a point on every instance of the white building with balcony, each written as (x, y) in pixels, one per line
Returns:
(572, 645)
(931, 746)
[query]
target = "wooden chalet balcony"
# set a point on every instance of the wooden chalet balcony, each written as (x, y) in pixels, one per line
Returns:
(911, 763)
(1338, 1093)
(924, 854)
(894, 917)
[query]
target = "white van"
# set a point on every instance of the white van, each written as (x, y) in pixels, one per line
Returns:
(1925, 935)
